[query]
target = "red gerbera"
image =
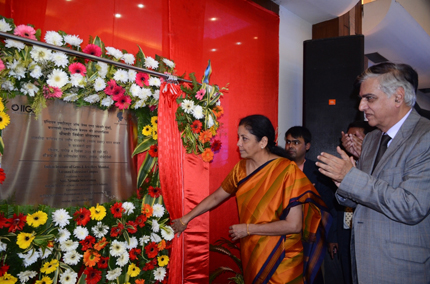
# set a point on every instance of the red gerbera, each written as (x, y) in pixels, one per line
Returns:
(150, 265)
(131, 227)
(4, 222)
(110, 87)
(153, 151)
(122, 101)
(142, 79)
(88, 242)
(2, 176)
(154, 191)
(103, 262)
(116, 230)
(140, 220)
(151, 250)
(82, 216)
(3, 270)
(216, 145)
(93, 50)
(77, 68)
(17, 222)
(25, 31)
(93, 275)
(117, 210)
(134, 252)
(196, 126)
(117, 91)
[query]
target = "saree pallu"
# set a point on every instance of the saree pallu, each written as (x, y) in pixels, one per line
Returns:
(266, 196)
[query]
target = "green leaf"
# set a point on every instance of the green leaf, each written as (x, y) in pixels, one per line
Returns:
(145, 168)
(144, 146)
(140, 58)
(1, 145)
(217, 272)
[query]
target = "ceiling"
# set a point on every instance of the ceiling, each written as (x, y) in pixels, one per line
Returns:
(388, 27)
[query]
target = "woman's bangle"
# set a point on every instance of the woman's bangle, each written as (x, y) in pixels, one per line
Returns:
(182, 222)
(247, 229)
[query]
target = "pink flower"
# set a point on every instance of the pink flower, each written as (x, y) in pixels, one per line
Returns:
(200, 94)
(77, 68)
(1, 65)
(25, 31)
(122, 101)
(93, 50)
(52, 92)
(142, 79)
(110, 87)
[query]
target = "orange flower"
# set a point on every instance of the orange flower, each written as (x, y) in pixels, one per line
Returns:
(50, 244)
(218, 111)
(207, 155)
(101, 244)
(162, 245)
(147, 210)
(91, 257)
(140, 281)
(205, 136)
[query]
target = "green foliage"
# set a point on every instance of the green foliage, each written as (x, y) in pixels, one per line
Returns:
(224, 246)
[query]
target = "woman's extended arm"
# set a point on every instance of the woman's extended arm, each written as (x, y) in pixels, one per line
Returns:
(213, 200)
(291, 225)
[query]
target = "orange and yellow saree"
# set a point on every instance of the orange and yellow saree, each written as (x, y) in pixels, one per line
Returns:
(267, 195)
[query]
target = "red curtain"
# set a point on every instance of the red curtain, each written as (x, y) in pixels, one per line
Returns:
(238, 36)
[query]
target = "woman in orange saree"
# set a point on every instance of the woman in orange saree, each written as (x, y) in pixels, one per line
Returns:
(283, 220)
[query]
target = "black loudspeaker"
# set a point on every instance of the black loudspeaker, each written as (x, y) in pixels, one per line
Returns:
(330, 101)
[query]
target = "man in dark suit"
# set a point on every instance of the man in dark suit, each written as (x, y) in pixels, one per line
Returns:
(297, 143)
(389, 188)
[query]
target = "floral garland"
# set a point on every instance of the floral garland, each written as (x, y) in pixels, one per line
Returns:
(116, 242)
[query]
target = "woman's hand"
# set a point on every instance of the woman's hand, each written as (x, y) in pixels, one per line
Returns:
(179, 226)
(238, 231)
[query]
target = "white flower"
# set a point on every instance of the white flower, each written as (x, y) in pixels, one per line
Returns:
(153, 81)
(37, 72)
(16, 69)
(144, 240)
(114, 52)
(29, 258)
(169, 63)
(117, 248)
(46, 253)
(131, 75)
(139, 104)
(60, 59)
(63, 235)
(155, 226)
(102, 69)
(218, 103)
(100, 230)
(151, 63)
(99, 84)
(113, 274)
(133, 243)
(77, 80)
(72, 257)
(146, 93)
(160, 273)
(7, 85)
(73, 40)
(61, 218)
(187, 106)
(3, 246)
(80, 232)
(121, 75)
(198, 112)
(92, 99)
(54, 38)
(107, 102)
(210, 121)
(122, 259)
(4, 26)
(70, 97)
(128, 58)
(24, 276)
(10, 43)
(167, 233)
(57, 78)
(158, 210)
(68, 245)
(155, 238)
(156, 94)
(68, 277)
(135, 90)
(39, 54)
(128, 207)
(29, 89)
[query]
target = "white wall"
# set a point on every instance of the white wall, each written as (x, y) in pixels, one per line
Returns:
(292, 32)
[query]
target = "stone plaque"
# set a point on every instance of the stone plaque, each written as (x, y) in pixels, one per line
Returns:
(68, 156)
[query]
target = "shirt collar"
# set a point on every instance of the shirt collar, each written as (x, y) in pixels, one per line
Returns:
(396, 127)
